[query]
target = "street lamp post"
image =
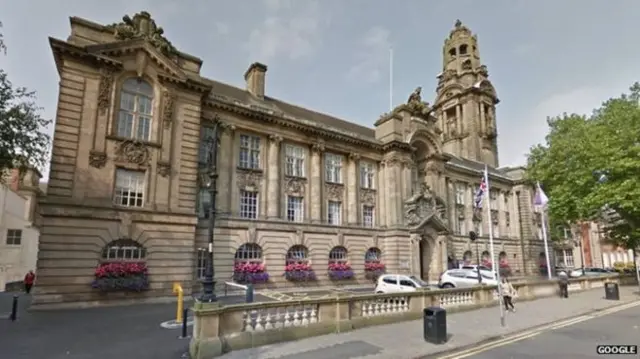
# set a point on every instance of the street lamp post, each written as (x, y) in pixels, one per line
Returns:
(210, 177)
(473, 236)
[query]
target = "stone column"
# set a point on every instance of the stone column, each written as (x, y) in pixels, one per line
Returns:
(381, 186)
(392, 190)
(414, 240)
(273, 177)
(226, 168)
(352, 189)
(316, 182)
(459, 118)
(483, 120)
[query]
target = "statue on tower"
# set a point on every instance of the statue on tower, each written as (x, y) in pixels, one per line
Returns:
(415, 96)
(416, 105)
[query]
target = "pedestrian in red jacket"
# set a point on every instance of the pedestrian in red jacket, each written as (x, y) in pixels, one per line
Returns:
(28, 281)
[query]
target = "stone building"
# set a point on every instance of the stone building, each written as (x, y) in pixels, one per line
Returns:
(130, 145)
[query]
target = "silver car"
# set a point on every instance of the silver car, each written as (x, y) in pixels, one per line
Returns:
(463, 278)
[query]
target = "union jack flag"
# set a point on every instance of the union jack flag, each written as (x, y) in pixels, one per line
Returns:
(477, 199)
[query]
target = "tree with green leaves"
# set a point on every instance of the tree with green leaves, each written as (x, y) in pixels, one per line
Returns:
(22, 140)
(589, 167)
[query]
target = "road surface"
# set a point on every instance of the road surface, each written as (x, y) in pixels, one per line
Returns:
(578, 340)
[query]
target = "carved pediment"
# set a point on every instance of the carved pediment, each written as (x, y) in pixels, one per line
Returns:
(422, 206)
(142, 26)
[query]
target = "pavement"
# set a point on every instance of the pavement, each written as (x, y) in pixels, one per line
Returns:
(405, 340)
(574, 340)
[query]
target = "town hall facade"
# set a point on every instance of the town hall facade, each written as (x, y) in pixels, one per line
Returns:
(130, 149)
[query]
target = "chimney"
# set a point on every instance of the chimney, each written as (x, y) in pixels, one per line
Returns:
(255, 77)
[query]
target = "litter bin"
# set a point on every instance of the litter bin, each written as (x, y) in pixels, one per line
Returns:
(611, 291)
(435, 325)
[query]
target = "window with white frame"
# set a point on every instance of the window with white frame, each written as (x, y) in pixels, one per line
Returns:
(493, 196)
(124, 249)
(136, 107)
(368, 216)
(249, 204)
(204, 203)
(367, 175)
(249, 152)
(461, 189)
(334, 213)
(559, 254)
(201, 262)
(130, 188)
(295, 209)
(14, 237)
(206, 135)
(568, 258)
(338, 254)
(333, 168)
(294, 161)
(461, 225)
(297, 254)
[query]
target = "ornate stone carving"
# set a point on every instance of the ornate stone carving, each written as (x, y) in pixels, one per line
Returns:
(97, 159)
(334, 191)
(482, 70)
(374, 241)
(227, 128)
(340, 238)
(367, 196)
(133, 152)
(104, 89)
(300, 237)
(295, 186)
(249, 180)
(275, 139)
(354, 156)
(167, 109)
(420, 206)
(164, 169)
(142, 26)
(252, 236)
(416, 105)
(317, 147)
(416, 95)
(125, 228)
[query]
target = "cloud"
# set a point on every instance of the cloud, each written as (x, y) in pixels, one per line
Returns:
(373, 56)
(290, 29)
(222, 28)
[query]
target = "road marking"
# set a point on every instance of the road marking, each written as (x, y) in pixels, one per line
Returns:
(532, 333)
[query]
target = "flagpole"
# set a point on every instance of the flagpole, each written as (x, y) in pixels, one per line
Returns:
(493, 253)
(390, 79)
(544, 235)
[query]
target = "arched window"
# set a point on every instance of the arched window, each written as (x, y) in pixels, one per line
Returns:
(338, 255)
(466, 65)
(452, 52)
(486, 256)
(249, 252)
(463, 49)
(502, 256)
(124, 250)
(373, 255)
(297, 254)
(136, 108)
(467, 257)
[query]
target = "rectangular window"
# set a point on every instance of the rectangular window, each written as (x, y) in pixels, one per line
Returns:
(201, 262)
(134, 118)
(333, 168)
(368, 213)
(496, 230)
(493, 196)
(460, 192)
(249, 204)
(334, 213)
(206, 136)
(295, 209)
(130, 188)
(204, 203)
(367, 175)
(568, 258)
(294, 161)
(249, 152)
(14, 237)
(461, 226)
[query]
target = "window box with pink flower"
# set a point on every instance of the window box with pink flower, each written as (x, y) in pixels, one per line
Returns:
(250, 273)
(299, 272)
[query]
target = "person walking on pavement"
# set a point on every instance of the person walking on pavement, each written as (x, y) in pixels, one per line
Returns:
(564, 284)
(29, 279)
(508, 292)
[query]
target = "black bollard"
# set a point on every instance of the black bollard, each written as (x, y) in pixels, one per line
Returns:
(185, 312)
(14, 309)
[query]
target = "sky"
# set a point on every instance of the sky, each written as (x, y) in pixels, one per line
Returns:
(544, 57)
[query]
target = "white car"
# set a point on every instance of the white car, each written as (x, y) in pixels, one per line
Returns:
(464, 278)
(395, 283)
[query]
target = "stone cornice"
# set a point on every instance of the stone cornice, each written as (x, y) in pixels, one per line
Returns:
(308, 127)
(473, 172)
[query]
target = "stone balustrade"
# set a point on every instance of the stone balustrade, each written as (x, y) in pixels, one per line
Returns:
(218, 329)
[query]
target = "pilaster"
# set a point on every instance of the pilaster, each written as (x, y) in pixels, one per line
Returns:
(273, 177)
(226, 167)
(352, 189)
(381, 206)
(316, 182)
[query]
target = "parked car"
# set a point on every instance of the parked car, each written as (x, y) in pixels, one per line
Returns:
(461, 278)
(394, 283)
(589, 272)
(474, 267)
